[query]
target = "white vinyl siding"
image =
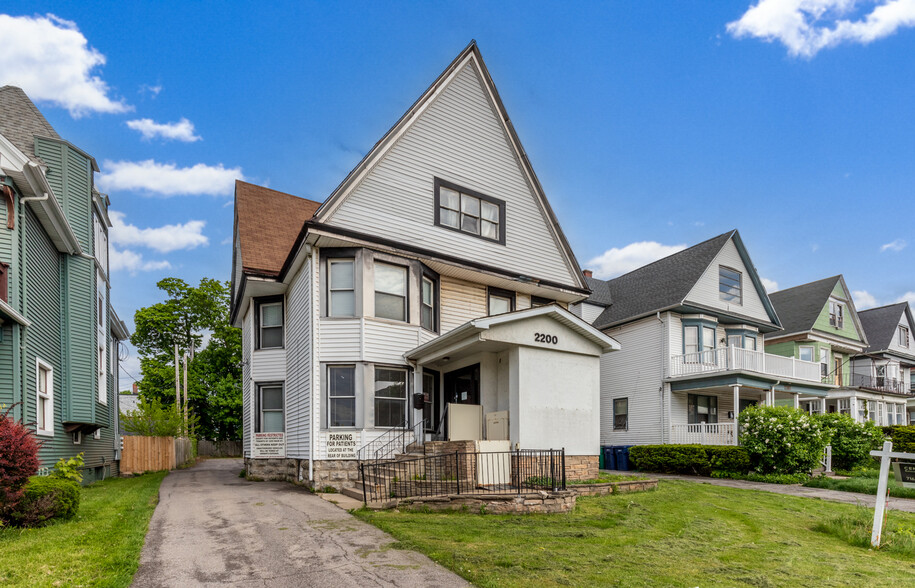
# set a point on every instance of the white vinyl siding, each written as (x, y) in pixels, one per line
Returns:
(706, 290)
(894, 341)
(461, 302)
(460, 139)
(247, 391)
(298, 365)
(268, 365)
(633, 372)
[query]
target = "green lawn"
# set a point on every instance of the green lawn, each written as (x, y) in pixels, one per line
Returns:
(683, 534)
(99, 547)
(864, 482)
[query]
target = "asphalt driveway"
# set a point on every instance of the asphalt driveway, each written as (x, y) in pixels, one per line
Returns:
(212, 528)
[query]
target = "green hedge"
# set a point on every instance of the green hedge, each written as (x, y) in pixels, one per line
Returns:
(902, 436)
(47, 498)
(698, 460)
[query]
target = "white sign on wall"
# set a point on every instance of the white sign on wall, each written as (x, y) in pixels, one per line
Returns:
(268, 445)
(341, 446)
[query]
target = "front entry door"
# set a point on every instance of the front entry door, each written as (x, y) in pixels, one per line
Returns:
(463, 386)
(431, 406)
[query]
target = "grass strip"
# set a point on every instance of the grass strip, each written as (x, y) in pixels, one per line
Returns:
(865, 484)
(99, 547)
(683, 534)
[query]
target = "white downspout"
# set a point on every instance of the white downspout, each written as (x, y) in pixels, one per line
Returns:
(314, 326)
(664, 354)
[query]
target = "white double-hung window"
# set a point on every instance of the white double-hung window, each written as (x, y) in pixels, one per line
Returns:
(44, 413)
(342, 287)
(390, 292)
(271, 325)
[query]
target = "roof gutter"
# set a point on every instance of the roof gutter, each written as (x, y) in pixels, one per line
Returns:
(49, 203)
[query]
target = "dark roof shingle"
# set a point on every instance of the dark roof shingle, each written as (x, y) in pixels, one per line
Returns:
(880, 324)
(21, 121)
(799, 307)
(269, 223)
(661, 284)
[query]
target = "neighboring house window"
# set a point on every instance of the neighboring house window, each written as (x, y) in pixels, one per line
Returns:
(701, 409)
(390, 292)
(620, 414)
(903, 336)
(101, 316)
(805, 352)
(77, 437)
(469, 212)
(270, 319)
(749, 342)
(341, 410)
(342, 286)
(845, 406)
(729, 285)
(390, 396)
(500, 301)
(270, 408)
(45, 404)
(836, 314)
(4, 281)
(824, 363)
(427, 304)
(862, 411)
(97, 434)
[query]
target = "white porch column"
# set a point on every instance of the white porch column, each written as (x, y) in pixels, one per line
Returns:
(822, 406)
(797, 400)
(853, 407)
(736, 402)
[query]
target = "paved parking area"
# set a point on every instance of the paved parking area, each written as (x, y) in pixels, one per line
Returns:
(212, 528)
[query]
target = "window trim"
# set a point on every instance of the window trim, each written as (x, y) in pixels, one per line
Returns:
(440, 183)
(327, 368)
(701, 324)
(696, 403)
(836, 319)
(102, 368)
(435, 300)
(49, 395)
(500, 293)
(902, 329)
(812, 349)
(615, 415)
(406, 399)
(331, 290)
(259, 404)
(406, 291)
(259, 303)
(721, 294)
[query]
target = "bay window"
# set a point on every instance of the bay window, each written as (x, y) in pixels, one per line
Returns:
(390, 292)
(270, 324)
(427, 303)
(390, 396)
(341, 287)
(341, 405)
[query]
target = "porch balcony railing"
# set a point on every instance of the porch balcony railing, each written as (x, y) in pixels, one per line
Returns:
(704, 434)
(882, 384)
(723, 359)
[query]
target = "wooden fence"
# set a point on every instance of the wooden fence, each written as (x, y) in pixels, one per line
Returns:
(151, 454)
(219, 448)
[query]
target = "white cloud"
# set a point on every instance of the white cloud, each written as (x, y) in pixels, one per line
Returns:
(907, 297)
(897, 245)
(618, 261)
(52, 61)
(153, 91)
(770, 285)
(132, 262)
(863, 299)
(166, 179)
(166, 238)
(183, 130)
(807, 26)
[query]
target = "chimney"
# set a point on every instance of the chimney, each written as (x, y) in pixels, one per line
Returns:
(588, 273)
(136, 389)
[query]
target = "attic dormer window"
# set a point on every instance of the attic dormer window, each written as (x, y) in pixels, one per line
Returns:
(730, 285)
(903, 336)
(836, 314)
(469, 212)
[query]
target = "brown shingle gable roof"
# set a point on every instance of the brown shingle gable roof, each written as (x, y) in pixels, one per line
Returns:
(268, 223)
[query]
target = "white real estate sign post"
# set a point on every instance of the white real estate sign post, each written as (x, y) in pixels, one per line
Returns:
(904, 474)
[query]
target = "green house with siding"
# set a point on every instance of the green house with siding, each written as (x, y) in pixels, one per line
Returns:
(820, 324)
(58, 333)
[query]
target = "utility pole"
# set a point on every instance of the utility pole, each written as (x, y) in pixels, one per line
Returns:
(185, 393)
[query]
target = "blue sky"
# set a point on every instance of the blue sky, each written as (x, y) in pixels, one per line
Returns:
(652, 126)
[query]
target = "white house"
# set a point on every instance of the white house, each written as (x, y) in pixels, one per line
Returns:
(435, 275)
(690, 327)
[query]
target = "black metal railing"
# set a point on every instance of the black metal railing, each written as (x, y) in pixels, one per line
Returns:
(881, 384)
(504, 472)
(392, 441)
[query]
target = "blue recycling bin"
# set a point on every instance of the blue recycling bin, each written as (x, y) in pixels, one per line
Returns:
(621, 456)
(609, 458)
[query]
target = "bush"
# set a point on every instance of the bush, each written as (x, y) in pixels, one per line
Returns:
(18, 461)
(154, 419)
(851, 442)
(47, 498)
(698, 460)
(69, 469)
(902, 436)
(781, 440)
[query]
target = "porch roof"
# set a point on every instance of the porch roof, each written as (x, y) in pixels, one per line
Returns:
(701, 381)
(463, 335)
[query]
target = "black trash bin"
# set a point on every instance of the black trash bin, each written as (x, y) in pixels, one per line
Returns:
(609, 458)
(621, 454)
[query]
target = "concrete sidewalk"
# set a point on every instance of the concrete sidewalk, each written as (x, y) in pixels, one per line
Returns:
(212, 528)
(903, 504)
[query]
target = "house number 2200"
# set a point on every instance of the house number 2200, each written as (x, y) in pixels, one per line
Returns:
(544, 338)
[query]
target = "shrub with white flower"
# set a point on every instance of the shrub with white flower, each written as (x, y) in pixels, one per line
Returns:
(781, 439)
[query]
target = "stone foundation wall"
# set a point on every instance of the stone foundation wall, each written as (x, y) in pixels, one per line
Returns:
(582, 467)
(614, 487)
(278, 469)
(537, 502)
(337, 474)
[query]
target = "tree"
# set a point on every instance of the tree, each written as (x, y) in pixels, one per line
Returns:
(199, 316)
